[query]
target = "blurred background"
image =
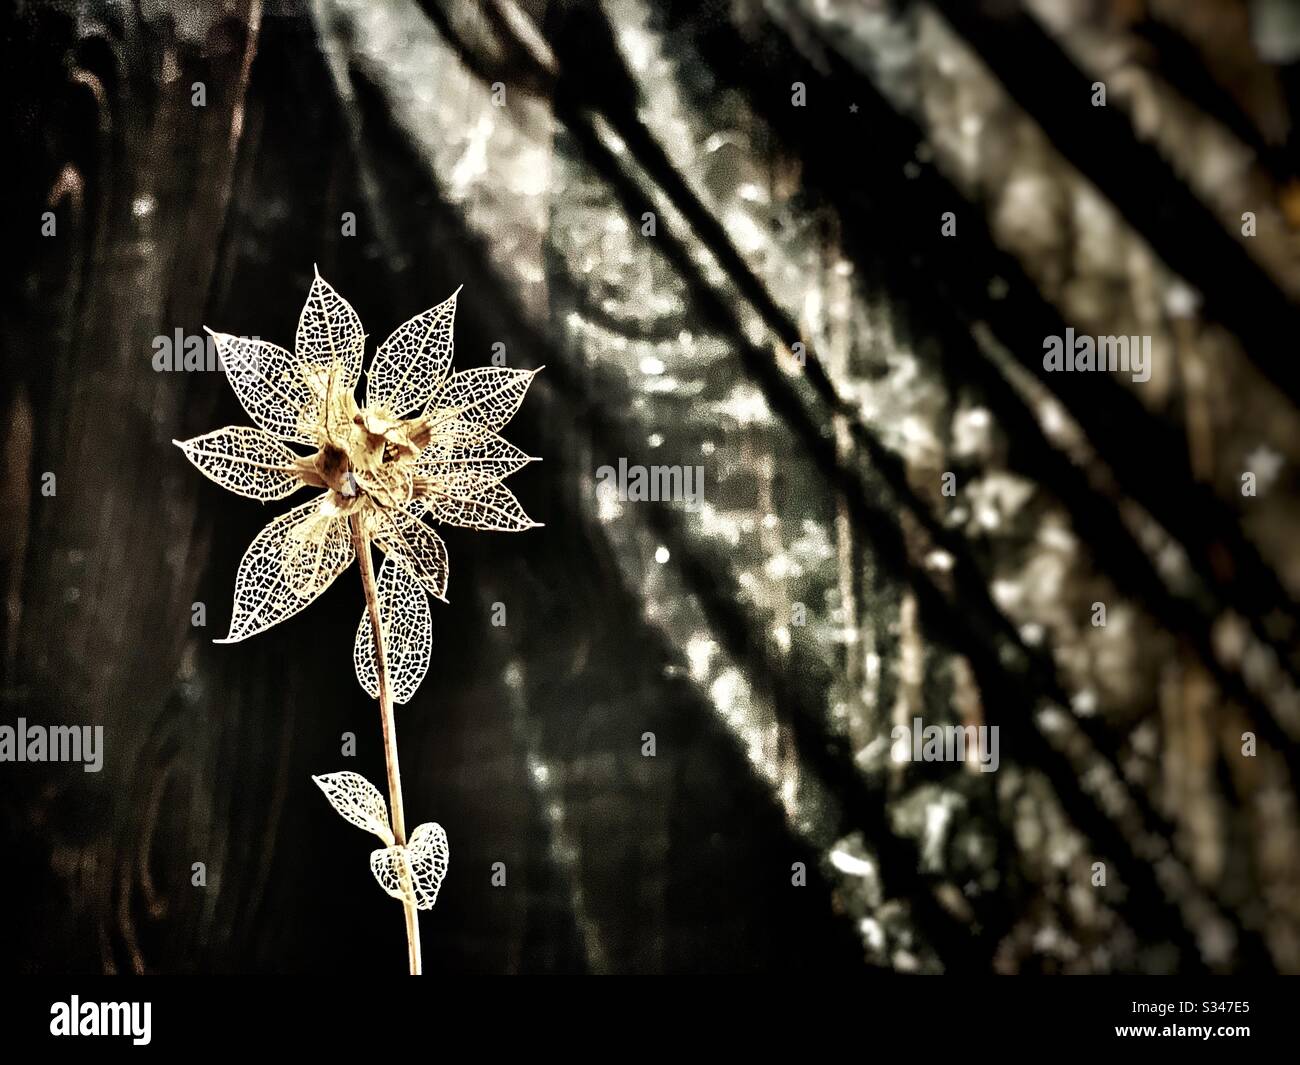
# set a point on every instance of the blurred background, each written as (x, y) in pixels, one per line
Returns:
(798, 324)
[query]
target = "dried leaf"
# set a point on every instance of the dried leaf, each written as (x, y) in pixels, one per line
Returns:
(278, 391)
(408, 634)
(330, 334)
(414, 873)
(288, 564)
(414, 546)
(468, 457)
(413, 362)
(358, 801)
(492, 508)
(245, 460)
(486, 396)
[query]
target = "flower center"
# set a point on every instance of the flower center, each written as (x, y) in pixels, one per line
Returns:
(369, 456)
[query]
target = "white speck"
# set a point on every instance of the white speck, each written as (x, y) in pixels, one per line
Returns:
(851, 864)
(871, 932)
(1085, 702)
(1032, 633)
(1265, 463)
(1181, 300)
(662, 554)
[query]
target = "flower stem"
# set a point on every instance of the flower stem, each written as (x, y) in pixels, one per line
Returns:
(361, 543)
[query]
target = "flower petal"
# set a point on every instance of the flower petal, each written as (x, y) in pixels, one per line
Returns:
(493, 508)
(330, 334)
(357, 801)
(469, 455)
(411, 364)
(279, 394)
(408, 634)
(487, 396)
(414, 546)
(288, 564)
(244, 460)
(414, 873)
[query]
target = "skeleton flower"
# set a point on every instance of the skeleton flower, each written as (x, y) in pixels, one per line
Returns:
(422, 448)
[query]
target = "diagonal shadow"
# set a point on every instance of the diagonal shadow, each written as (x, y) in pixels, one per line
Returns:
(1115, 547)
(1003, 689)
(1175, 60)
(782, 399)
(877, 209)
(1100, 143)
(821, 753)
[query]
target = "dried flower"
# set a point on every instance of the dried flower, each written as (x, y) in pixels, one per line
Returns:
(423, 448)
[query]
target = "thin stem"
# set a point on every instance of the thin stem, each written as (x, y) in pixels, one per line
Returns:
(361, 543)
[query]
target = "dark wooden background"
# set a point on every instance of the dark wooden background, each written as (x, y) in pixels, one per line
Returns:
(525, 741)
